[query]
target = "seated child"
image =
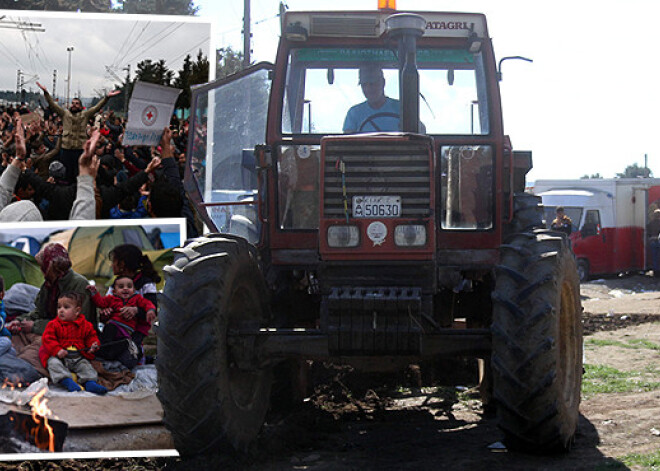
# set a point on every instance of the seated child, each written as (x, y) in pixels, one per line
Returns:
(119, 325)
(12, 369)
(68, 342)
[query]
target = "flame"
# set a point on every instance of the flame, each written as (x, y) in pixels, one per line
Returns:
(6, 383)
(43, 434)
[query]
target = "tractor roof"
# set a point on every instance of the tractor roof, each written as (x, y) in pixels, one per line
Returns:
(371, 24)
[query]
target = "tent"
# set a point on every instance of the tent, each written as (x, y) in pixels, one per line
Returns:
(27, 244)
(17, 266)
(60, 237)
(89, 248)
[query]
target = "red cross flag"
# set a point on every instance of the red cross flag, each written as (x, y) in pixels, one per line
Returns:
(149, 112)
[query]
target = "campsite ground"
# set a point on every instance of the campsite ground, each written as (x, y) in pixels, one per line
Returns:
(393, 424)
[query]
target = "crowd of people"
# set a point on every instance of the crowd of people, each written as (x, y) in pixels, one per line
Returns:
(69, 163)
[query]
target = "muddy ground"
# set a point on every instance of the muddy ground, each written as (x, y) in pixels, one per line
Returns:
(394, 424)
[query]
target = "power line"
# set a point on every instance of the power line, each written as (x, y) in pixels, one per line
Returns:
(189, 50)
(128, 36)
(33, 53)
(254, 23)
(154, 41)
(144, 28)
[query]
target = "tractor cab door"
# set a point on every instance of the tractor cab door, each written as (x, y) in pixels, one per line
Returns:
(227, 121)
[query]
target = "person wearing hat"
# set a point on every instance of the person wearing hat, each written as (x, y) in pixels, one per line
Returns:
(652, 234)
(562, 223)
(379, 112)
(57, 172)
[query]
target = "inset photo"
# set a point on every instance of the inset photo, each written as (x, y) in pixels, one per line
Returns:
(79, 302)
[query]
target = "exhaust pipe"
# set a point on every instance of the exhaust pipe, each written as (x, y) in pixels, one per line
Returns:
(406, 28)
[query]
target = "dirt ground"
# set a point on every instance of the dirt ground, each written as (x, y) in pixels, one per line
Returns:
(397, 425)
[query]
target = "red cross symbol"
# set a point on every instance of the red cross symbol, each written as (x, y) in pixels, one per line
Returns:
(149, 115)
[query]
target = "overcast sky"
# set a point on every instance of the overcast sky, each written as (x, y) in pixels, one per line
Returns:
(587, 104)
(116, 41)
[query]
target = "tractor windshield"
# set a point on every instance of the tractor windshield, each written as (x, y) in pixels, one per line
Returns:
(324, 83)
(229, 120)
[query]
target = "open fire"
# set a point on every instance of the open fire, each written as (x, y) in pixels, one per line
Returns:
(41, 431)
(37, 427)
(6, 383)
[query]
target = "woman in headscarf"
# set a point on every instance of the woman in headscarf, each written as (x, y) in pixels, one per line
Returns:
(55, 264)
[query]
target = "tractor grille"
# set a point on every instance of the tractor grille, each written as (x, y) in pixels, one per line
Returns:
(378, 169)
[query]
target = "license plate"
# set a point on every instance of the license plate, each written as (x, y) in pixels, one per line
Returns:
(376, 206)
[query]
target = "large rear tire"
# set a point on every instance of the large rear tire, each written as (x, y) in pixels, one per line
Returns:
(210, 404)
(527, 213)
(537, 342)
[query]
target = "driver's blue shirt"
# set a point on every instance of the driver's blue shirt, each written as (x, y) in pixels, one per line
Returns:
(357, 116)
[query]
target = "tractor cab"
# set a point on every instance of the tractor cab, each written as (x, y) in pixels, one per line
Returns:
(263, 160)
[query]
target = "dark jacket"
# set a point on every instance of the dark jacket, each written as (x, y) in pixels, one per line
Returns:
(61, 197)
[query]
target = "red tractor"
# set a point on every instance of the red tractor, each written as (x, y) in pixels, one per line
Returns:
(367, 209)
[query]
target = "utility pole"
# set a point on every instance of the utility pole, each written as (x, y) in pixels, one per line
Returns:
(247, 35)
(18, 85)
(68, 80)
(646, 165)
(128, 80)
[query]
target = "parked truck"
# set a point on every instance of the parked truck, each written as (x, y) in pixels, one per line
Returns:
(376, 249)
(610, 218)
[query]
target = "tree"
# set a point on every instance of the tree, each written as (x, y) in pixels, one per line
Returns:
(159, 7)
(192, 73)
(154, 72)
(94, 6)
(228, 62)
(595, 175)
(635, 171)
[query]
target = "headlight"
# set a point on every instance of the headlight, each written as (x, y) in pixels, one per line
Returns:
(410, 235)
(343, 236)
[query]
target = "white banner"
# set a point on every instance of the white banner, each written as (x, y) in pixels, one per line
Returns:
(149, 112)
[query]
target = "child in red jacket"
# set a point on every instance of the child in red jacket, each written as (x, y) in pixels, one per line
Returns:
(123, 295)
(68, 342)
(116, 343)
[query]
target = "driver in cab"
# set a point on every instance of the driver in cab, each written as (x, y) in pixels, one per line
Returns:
(378, 113)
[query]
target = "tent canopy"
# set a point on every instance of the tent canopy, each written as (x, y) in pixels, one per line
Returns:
(89, 248)
(17, 266)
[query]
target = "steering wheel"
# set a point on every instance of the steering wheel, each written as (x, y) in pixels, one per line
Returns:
(373, 117)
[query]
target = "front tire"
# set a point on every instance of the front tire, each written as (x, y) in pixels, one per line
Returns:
(211, 404)
(537, 342)
(583, 270)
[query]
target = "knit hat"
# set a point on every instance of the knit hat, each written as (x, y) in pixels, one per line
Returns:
(56, 170)
(108, 160)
